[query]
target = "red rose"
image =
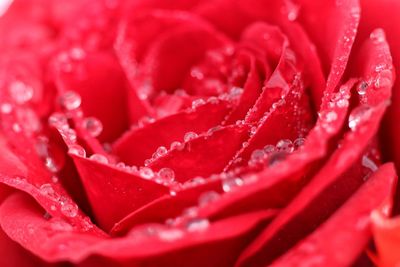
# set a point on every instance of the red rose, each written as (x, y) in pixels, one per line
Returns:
(199, 133)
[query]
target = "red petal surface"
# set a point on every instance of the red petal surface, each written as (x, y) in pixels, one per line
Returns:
(39, 236)
(114, 193)
(328, 244)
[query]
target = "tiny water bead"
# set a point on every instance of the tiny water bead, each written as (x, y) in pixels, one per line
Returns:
(77, 150)
(231, 183)
(48, 191)
(299, 142)
(99, 158)
(359, 115)
(171, 234)
(362, 88)
(93, 126)
(190, 136)
(20, 92)
(176, 145)
(70, 100)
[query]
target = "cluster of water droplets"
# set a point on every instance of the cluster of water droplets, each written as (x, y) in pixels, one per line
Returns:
(187, 223)
(272, 154)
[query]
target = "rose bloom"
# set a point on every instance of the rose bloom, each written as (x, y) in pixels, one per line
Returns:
(171, 133)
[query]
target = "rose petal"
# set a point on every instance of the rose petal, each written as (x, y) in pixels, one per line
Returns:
(38, 235)
(349, 224)
(114, 193)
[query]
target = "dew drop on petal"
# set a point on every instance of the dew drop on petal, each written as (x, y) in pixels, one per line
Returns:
(170, 234)
(51, 164)
(166, 174)
(161, 151)
(20, 92)
(285, 145)
(77, 150)
(231, 183)
(176, 145)
(362, 88)
(268, 149)
(146, 173)
(93, 126)
(359, 115)
(70, 100)
(58, 120)
(299, 142)
(99, 158)
(190, 136)
(48, 191)
(197, 103)
(208, 197)
(197, 225)
(6, 108)
(69, 209)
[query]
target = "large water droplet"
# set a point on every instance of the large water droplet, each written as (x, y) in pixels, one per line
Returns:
(58, 120)
(70, 100)
(93, 126)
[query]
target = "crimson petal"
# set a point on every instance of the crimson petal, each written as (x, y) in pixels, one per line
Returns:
(350, 224)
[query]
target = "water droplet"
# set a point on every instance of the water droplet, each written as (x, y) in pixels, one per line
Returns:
(230, 184)
(77, 150)
(77, 53)
(51, 164)
(176, 145)
(208, 197)
(190, 136)
(198, 224)
(161, 151)
(6, 108)
(369, 164)
(48, 191)
(362, 88)
(197, 103)
(257, 156)
(285, 145)
(170, 234)
(58, 120)
(20, 92)
(276, 158)
(268, 149)
(99, 158)
(69, 135)
(69, 209)
(93, 126)
(166, 174)
(378, 36)
(146, 173)
(299, 142)
(70, 100)
(16, 127)
(359, 115)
